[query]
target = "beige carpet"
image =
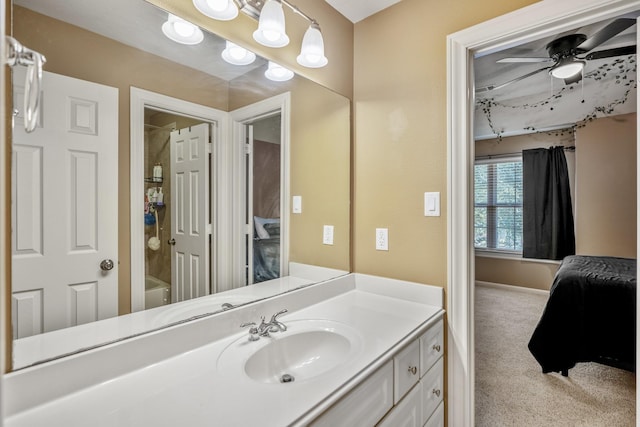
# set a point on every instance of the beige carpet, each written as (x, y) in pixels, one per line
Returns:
(511, 390)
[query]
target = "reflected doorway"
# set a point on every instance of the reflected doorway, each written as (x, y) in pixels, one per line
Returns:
(263, 198)
(177, 218)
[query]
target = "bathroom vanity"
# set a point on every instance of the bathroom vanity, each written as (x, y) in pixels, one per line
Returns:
(352, 351)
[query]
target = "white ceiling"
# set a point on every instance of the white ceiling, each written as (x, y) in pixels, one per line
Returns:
(357, 10)
(542, 102)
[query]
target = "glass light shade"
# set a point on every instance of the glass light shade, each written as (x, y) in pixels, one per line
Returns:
(181, 31)
(567, 68)
(271, 29)
(278, 73)
(312, 51)
(222, 10)
(237, 55)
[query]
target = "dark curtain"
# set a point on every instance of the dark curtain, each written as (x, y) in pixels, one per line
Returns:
(547, 218)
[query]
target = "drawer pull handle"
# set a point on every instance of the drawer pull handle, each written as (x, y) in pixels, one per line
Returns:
(413, 369)
(436, 392)
(436, 347)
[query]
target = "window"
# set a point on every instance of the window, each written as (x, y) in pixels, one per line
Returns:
(498, 204)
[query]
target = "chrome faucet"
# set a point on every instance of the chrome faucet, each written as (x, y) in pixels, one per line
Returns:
(276, 325)
(262, 330)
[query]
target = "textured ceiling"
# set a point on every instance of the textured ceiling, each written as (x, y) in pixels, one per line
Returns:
(540, 101)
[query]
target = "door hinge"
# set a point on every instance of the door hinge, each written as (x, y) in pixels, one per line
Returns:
(209, 229)
(209, 147)
(248, 229)
(247, 149)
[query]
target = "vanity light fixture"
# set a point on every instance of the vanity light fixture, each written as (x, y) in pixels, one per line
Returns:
(222, 10)
(567, 67)
(312, 51)
(271, 30)
(278, 73)
(237, 55)
(181, 31)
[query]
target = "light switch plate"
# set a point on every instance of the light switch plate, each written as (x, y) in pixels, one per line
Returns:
(432, 204)
(296, 204)
(327, 235)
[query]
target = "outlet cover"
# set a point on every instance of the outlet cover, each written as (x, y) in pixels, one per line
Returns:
(382, 239)
(296, 204)
(327, 235)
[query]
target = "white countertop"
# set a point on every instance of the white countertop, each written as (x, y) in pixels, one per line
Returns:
(187, 388)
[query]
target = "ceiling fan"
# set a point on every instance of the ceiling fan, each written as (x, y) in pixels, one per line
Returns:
(567, 52)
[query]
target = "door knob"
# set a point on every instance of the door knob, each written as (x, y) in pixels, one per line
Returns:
(106, 265)
(172, 242)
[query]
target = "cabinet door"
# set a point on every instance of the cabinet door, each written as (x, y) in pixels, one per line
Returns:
(363, 406)
(406, 370)
(432, 390)
(431, 347)
(408, 413)
(437, 419)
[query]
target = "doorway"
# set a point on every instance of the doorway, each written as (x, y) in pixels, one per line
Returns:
(536, 21)
(173, 121)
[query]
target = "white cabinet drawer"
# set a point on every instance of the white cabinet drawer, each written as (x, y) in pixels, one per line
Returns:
(408, 413)
(406, 365)
(431, 347)
(365, 405)
(432, 390)
(437, 418)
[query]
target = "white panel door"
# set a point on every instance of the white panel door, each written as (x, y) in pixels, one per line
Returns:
(190, 212)
(65, 207)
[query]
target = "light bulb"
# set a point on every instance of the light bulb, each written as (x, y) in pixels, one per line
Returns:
(271, 26)
(184, 29)
(278, 73)
(237, 55)
(312, 51)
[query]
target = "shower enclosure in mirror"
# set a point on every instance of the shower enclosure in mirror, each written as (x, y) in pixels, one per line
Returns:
(114, 228)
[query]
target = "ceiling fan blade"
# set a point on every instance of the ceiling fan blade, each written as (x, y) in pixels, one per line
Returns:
(611, 30)
(608, 53)
(518, 60)
(517, 79)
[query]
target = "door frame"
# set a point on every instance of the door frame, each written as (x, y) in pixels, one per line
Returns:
(238, 119)
(141, 99)
(539, 20)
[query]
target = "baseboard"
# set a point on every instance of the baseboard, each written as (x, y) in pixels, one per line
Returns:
(511, 287)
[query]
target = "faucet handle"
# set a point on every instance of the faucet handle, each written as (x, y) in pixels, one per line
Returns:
(253, 331)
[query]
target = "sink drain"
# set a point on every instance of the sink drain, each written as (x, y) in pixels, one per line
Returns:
(286, 378)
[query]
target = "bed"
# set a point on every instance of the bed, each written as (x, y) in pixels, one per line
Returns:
(266, 249)
(590, 315)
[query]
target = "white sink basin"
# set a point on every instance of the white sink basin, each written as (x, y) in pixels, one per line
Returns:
(308, 349)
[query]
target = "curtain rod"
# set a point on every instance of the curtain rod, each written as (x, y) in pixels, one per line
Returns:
(497, 156)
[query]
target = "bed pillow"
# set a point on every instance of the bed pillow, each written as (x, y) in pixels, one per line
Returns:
(259, 224)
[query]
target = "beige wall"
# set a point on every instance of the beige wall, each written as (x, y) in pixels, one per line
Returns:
(603, 195)
(606, 187)
(337, 32)
(401, 132)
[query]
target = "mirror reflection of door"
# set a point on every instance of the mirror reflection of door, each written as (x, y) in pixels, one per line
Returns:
(176, 216)
(263, 199)
(64, 208)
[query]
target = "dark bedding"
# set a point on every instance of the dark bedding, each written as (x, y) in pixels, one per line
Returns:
(590, 315)
(266, 255)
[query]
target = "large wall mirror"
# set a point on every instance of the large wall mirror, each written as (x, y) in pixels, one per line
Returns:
(159, 173)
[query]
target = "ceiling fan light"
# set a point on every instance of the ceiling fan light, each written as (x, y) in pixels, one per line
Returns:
(181, 31)
(312, 51)
(237, 55)
(271, 26)
(567, 68)
(278, 73)
(222, 10)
